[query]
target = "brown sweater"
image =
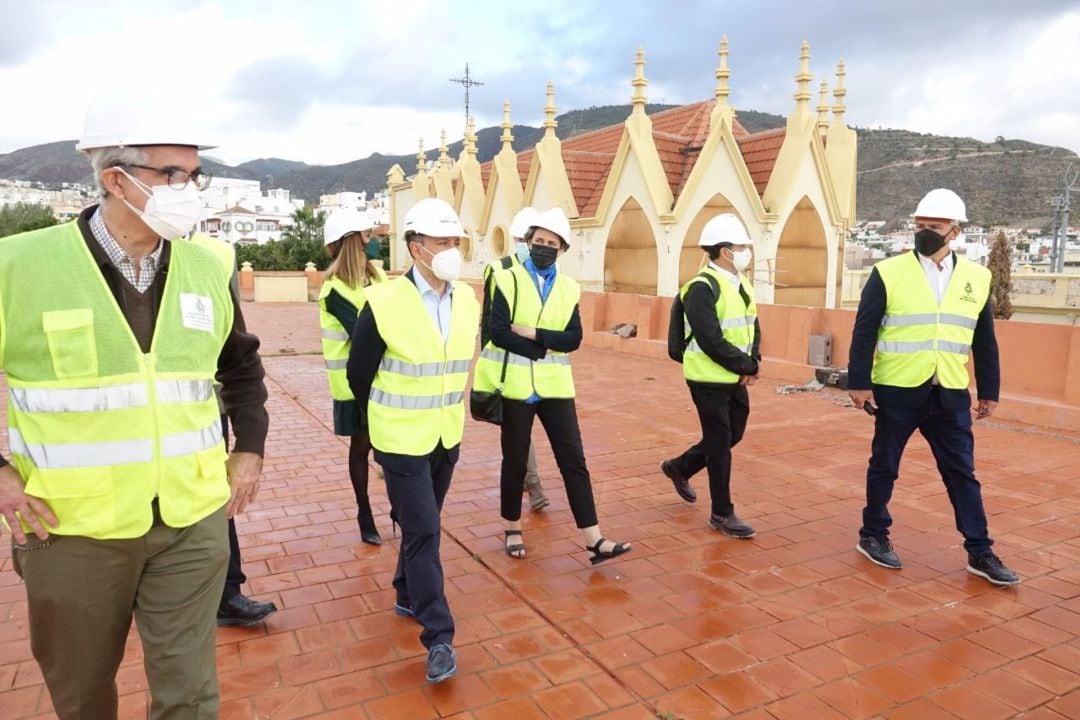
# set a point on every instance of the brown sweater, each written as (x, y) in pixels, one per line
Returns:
(240, 369)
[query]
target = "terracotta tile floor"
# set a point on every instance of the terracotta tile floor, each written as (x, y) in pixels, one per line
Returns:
(692, 624)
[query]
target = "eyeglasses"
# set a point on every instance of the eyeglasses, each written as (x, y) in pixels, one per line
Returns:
(178, 178)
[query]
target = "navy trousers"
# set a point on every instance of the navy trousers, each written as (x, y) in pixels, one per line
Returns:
(948, 431)
(417, 486)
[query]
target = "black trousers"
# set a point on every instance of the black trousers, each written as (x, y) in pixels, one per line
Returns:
(234, 576)
(559, 418)
(723, 411)
(417, 486)
(948, 431)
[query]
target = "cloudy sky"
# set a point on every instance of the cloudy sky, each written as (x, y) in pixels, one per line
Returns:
(328, 82)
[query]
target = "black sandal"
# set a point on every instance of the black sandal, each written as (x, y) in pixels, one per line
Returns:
(512, 550)
(599, 556)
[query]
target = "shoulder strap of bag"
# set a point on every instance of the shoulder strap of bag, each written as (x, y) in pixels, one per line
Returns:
(513, 312)
(716, 293)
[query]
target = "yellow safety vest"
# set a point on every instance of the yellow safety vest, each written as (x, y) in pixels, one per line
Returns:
(496, 265)
(97, 428)
(736, 322)
(335, 341)
(919, 338)
(417, 397)
(549, 377)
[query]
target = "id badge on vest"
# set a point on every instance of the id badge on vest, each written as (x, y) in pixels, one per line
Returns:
(197, 312)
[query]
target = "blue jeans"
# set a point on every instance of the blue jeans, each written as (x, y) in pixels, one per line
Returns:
(948, 431)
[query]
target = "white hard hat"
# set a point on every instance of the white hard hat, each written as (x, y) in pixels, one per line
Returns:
(126, 115)
(725, 228)
(555, 221)
(343, 221)
(523, 221)
(434, 218)
(942, 203)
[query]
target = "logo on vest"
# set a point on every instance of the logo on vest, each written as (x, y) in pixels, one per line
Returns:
(197, 312)
(969, 294)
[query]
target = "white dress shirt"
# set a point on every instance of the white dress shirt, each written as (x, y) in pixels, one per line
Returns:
(937, 277)
(438, 307)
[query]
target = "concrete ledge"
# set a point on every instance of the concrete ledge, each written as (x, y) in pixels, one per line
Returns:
(1017, 408)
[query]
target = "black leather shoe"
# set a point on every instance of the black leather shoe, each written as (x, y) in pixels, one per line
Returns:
(441, 663)
(242, 611)
(989, 566)
(880, 552)
(682, 485)
(732, 526)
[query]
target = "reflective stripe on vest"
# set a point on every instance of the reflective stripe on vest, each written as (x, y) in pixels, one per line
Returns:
(120, 452)
(112, 397)
(736, 320)
(424, 369)
(336, 364)
(339, 335)
(920, 338)
(497, 355)
(415, 402)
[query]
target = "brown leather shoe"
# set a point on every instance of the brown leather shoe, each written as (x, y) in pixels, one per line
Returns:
(682, 485)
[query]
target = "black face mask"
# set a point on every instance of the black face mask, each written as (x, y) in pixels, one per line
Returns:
(543, 256)
(928, 242)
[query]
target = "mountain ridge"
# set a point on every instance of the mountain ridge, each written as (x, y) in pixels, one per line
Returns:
(1003, 182)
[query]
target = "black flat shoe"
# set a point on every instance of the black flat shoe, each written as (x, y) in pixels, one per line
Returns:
(599, 556)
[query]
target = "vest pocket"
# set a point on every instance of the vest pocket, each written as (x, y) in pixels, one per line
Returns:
(65, 483)
(71, 342)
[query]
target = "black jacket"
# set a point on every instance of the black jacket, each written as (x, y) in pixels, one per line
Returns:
(864, 339)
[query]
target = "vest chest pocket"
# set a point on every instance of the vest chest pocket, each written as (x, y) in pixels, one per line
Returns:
(71, 342)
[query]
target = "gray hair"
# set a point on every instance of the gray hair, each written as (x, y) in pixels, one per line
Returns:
(104, 158)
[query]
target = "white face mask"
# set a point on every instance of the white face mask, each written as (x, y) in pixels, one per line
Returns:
(168, 212)
(446, 265)
(741, 258)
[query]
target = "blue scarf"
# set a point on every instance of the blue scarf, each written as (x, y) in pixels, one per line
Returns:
(547, 273)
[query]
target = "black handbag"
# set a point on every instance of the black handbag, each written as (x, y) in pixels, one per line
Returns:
(488, 406)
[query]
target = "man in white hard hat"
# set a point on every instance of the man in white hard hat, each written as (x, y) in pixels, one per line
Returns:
(519, 227)
(412, 348)
(720, 362)
(921, 314)
(119, 485)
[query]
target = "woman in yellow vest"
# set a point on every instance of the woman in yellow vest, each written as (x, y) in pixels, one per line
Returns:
(535, 323)
(340, 301)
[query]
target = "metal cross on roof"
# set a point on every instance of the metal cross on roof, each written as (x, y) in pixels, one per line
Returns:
(468, 82)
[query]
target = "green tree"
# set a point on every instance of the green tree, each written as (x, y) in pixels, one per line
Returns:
(23, 217)
(300, 243)
(1000, 265)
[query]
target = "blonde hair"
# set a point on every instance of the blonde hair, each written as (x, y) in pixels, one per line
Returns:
(352, 265)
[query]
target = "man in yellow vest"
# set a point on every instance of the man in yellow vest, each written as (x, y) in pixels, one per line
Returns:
(119, 487)
(412, 347)
(519, 227)
(720, 362)
(920, 315)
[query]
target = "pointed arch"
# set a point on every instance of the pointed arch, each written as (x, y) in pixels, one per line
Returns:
(630, 254)
(802, 258)
(691, 257)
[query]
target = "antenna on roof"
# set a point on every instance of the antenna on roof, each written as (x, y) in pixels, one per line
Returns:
(468, 82)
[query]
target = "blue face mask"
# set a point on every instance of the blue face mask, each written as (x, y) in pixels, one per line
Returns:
(522, 251)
